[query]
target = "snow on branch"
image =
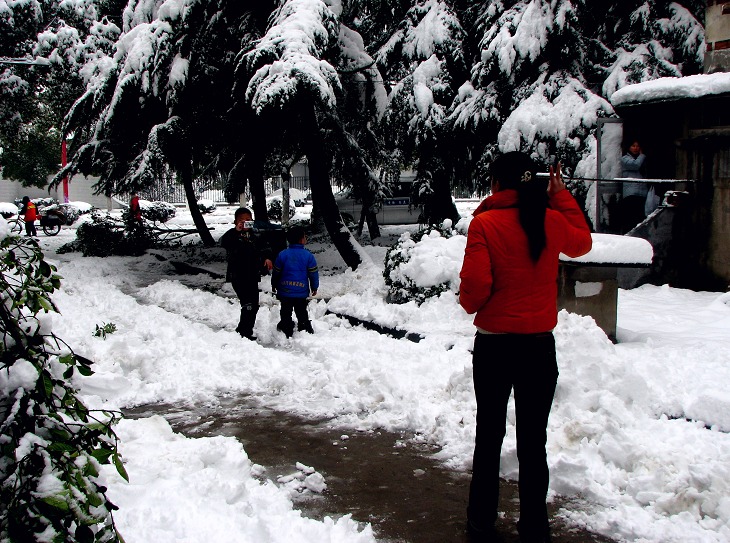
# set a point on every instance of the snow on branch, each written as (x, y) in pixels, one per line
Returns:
(290, 56)
(474, 107)
(360, 65)
(522, 34)
(157, 153)
(688, 29)
(560, 109)
(642, 63)
(429, 28)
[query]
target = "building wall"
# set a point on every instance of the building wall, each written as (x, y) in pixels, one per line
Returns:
(717, 36)
(691, 139)
(79, 190)
(719, 243)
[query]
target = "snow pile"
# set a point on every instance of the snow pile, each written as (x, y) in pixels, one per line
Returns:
(637, 434)
(8, 209)
(673, 88)
(614, 249)
(206, 489)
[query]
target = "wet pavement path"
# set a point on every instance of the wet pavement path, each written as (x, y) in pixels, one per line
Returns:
(378, 477)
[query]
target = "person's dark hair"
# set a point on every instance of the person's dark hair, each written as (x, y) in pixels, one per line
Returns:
(242, 211)
(26, 199)
(629, 142)
(294, 234)
(516, 170)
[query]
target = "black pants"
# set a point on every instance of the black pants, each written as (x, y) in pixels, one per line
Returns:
(632, 212)
(299, 306)
(248, 295)
(526, 363)
(30, 228)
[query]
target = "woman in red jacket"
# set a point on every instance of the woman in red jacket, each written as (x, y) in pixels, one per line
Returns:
(509, 279)
(30, 216)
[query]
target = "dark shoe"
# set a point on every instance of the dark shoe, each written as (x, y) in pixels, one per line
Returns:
(534, 536)
(246, 334)
(478, 534)
(306, 328)
(288, 330)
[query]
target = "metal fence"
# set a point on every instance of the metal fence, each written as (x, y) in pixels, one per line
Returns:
(172, 192)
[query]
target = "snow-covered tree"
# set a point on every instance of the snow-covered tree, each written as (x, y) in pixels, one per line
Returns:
(233, 90)
(58, 38)
(548, 67)
(306, 71)
(160, 103)
(646, 40)
(424, 63)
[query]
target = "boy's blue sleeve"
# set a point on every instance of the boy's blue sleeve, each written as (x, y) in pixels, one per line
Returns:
(276, 272)
(313, 272)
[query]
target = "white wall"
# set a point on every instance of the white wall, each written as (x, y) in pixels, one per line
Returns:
(79, 190)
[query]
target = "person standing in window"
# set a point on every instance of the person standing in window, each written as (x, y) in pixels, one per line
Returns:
(633, 194)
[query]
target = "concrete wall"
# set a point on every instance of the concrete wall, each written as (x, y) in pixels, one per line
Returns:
(591, 291)
(719, 244)
(79, 190)
(717, 36)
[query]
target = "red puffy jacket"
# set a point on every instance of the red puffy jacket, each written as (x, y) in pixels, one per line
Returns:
(31, 213)
(500, 282)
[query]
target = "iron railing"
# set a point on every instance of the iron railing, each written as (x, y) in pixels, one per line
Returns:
(172, 192)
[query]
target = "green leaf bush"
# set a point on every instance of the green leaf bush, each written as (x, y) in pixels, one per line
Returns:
(51, 444)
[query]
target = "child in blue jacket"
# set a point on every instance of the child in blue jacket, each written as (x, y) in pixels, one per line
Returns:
(295, 275)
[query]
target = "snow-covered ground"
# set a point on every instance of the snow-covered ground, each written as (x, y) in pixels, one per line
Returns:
(638, 430)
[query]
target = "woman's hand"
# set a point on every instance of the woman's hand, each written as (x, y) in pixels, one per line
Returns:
(556, 180)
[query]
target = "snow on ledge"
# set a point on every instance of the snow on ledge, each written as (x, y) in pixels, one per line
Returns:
(672, 88)
(615, 249)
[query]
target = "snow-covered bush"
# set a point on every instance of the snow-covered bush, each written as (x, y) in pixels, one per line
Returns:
(299, 197)
(39, 202)
(69, 211)
(8, 210)
(425, 264)
(105, 236)
(157, 211)
(52, 444)
(275, 207)
(206, 206)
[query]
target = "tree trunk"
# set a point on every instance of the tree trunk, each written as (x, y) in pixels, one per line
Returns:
(187, 178)
(314, 146)
(256, 184)
(285, 180)
(440, 204)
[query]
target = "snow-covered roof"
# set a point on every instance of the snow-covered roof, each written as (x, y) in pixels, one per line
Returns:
(614, 249)
(672, 88)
